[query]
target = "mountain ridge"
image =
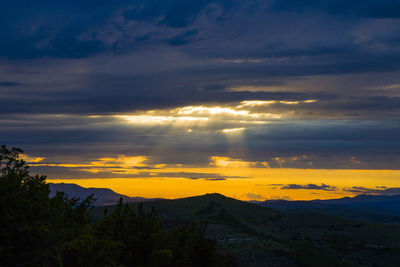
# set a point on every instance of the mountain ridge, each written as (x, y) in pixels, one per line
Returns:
(364, 207)
(367, 208)
(103, 196)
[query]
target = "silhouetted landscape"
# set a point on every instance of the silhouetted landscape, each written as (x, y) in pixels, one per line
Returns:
(291, 233)
(364, 208)
(200, 133)
(42, 225)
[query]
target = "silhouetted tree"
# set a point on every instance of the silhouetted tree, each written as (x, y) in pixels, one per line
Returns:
(33, 227)
(36, 230)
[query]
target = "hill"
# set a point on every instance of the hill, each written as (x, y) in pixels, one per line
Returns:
(260, 236)
(104, 196)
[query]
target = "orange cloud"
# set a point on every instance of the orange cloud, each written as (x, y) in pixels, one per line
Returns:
(30, 159)
(119, 165)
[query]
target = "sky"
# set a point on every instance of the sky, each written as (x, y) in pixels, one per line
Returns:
(253, 99)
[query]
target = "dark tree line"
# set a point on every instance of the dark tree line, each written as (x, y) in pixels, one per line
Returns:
(36, 230)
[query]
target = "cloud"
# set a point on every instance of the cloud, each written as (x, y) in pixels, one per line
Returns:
(368, 8)
(91, 28)
(119, 165)
(9, 84)
(314, 78)
(218, 161)
(182, 39)
(195, 175)
(233, 130)
(373, 191)
(324, 187)
(323, 143)
(279, 198)
(30, 159)
(252, 196)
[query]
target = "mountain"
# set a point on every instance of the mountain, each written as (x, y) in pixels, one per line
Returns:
(367, 208)
(104, 196)
(377, 201)
(261, 236)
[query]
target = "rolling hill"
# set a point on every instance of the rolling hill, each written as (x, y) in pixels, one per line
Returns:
(261, 236)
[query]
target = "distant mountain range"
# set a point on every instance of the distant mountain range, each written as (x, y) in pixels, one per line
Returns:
(365, 208)
(278, 233)
(104, 196)
(368, 208)
(259, 236)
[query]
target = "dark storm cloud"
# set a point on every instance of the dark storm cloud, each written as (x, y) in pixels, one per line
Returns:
(74, 29)
(133, 92)
(375, 191)
(100, 102)
(45, 28)
(225, 42)
(367, 8)
(182, 39)
(320, 144)
(62, 61)
(324, 187)
(173, 13)
(9, 84)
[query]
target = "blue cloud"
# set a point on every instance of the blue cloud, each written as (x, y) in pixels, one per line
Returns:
(9, 84)
(367, 8)
(69, 28)
(183, 39)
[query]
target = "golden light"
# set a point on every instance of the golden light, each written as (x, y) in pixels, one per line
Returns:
(253, 103)
(200, 110)
(154, 119)
(233, 130)
(229, 162)
(289, 102)
(30, 159)
(260, 180)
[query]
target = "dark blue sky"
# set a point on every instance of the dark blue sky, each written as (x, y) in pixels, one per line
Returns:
(81, 80)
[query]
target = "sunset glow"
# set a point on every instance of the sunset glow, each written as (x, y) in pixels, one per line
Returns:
(218, 96)
(263, 183)
(134, 176)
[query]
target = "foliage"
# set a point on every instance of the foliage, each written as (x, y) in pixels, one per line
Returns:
(36, 230)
